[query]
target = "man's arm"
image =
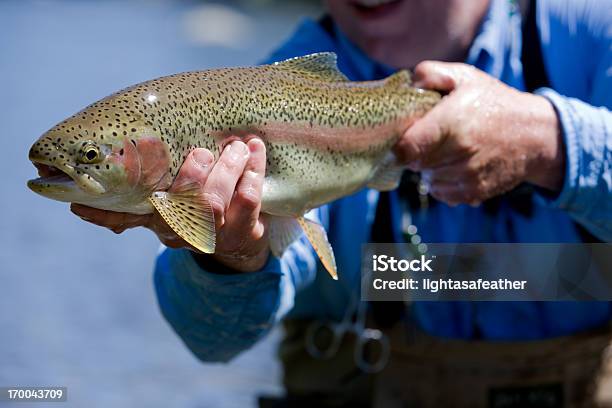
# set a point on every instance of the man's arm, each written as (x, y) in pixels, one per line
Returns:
(222, 304)
(218, 313)
(586, 193)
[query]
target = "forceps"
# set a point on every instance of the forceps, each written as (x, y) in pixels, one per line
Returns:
(352, 322)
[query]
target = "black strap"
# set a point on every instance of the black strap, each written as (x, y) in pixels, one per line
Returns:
(385, 314)
(327, 23)
(534, 70)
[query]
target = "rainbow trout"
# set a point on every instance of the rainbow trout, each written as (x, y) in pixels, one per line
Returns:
(325, 136)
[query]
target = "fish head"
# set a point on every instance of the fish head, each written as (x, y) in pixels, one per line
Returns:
(104, 156)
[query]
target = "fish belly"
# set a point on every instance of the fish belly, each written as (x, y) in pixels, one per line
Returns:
(299, 179)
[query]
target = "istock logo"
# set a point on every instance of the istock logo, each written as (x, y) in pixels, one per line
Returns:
(384, 263)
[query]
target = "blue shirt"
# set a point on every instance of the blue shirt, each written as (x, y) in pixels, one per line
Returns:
(218, 315)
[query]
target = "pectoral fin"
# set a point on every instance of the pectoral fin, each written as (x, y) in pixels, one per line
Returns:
(387, 176)
(189, 216)
(318, 239)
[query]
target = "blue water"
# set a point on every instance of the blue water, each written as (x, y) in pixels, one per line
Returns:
(77, 306)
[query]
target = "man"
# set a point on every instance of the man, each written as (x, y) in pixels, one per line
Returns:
(486, 137)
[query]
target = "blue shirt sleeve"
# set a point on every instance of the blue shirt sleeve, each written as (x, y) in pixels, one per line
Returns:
(587, 191)
(219, 315)
(576, 37)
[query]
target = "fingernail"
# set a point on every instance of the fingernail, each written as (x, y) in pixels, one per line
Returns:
(237, 149)
(203, 158)
(255, 145)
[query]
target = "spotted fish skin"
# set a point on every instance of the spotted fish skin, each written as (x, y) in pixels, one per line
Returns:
(325, 136)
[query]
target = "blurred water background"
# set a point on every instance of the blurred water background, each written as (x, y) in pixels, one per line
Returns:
(77, 306)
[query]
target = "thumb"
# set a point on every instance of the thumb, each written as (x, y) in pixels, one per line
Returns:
(441, 76)
(419, 142)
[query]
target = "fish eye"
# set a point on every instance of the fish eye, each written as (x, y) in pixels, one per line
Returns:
(90, 154)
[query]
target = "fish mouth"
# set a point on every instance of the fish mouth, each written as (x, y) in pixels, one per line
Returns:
(57, 179)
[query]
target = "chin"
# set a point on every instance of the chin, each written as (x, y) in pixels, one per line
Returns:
(381, 21)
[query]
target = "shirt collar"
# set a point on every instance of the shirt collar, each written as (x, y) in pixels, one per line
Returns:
(494, 38)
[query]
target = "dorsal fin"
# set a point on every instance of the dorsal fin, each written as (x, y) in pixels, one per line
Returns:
(321, 65)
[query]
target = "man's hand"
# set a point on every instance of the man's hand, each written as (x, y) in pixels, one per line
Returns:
(483, 139)
(233, 185)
